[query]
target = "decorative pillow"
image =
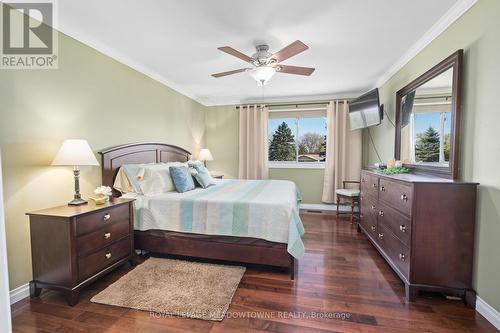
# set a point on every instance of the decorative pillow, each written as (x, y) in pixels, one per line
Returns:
(131, 170)
(201, 169)
(182, 178)
(193, 163)
(203, 177)
(122, 183)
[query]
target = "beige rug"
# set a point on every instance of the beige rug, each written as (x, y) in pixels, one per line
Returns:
(175, 287)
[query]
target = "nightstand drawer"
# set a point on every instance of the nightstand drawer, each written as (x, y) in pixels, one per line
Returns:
(99, 260)
(102, 218)
(102, 237)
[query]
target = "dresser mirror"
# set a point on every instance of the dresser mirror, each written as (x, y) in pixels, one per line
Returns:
(428, 120)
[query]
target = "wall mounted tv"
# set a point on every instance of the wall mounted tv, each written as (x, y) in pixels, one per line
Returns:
(365, 111)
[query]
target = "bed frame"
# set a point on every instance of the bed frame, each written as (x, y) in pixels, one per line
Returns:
(228, 248)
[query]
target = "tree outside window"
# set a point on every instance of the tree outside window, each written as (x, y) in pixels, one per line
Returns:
(297, 140)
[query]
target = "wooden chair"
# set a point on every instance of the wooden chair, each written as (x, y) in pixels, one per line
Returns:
(350, 196)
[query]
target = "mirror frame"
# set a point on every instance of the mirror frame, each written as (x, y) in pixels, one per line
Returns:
(454, 61)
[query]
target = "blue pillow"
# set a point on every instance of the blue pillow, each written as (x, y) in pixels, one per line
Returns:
(182, 178)
(201, 169)
(203, 177)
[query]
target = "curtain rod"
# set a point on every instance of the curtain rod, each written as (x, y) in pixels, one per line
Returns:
(289, 104)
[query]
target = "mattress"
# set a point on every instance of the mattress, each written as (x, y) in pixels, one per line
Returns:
(260, 209)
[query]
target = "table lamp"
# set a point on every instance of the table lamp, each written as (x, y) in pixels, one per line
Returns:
(205, 155)
(75, 153)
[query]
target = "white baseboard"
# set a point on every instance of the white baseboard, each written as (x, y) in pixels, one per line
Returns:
(488, 312)
(326, 207)
(318, 206)
(19, 293)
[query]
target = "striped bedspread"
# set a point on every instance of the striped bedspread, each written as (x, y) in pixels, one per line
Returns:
(265, 209)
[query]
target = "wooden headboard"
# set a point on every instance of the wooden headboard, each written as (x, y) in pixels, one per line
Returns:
(113, 158)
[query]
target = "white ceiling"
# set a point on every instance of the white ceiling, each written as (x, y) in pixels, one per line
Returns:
(353, 43)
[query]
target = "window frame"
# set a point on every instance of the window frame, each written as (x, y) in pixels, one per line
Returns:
(295, 164)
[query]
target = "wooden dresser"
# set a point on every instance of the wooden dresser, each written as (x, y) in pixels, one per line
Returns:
(424, 228)
(71, 246)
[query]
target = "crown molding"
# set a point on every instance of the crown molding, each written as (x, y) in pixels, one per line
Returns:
(453, 14)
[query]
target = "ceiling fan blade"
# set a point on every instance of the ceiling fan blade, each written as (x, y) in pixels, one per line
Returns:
(236, 53)
(289, 51)
(230, 72)
(295, 70)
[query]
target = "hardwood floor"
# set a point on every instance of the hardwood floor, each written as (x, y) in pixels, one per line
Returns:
(341, 280)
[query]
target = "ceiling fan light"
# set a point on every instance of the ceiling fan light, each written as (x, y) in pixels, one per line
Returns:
(262, 74)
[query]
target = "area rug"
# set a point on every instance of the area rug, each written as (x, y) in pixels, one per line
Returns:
(175, 287)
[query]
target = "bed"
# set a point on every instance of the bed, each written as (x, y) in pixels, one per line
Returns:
(161, 236)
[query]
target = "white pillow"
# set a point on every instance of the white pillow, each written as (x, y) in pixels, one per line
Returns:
(155, 179)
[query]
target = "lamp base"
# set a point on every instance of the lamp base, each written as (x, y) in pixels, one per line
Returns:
(77, 202)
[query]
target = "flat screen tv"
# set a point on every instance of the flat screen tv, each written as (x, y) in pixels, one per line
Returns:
(365, 111)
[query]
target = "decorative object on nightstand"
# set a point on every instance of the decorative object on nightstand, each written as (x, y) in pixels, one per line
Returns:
(75, 153)
(72, 246)
(205, 155)
(102, 195)
(349, 195)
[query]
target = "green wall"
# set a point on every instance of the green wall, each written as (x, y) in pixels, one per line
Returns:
(222, 135)
(309, 182)
(91, 97)
(478, 33)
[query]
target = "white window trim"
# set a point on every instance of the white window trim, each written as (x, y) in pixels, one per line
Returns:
(295, 165)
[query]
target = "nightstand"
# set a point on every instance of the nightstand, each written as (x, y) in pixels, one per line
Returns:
(72, 246)
(217, 175)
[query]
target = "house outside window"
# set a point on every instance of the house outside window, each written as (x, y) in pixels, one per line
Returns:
(297, 139)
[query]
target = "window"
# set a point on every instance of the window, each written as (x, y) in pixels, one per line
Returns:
(297, 139)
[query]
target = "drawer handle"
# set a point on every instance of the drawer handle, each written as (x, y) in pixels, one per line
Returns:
(373, 207)
(402, 257)
(108, 255)
(404, 197)
(381, 213)
(382, 189)
(380, 236)
(373, 228)
(107, 235)
(106, 217)
(402, 228)
(374, 185)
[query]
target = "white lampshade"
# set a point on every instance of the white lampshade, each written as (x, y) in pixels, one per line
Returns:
(75, 153)
(205, 155)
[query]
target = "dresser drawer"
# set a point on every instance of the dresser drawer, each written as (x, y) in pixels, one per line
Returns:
(399, 224)
(103, 237)
(369, 208)
(95, 262)
(392, 246)
(369, 185)
(397, 195)
(102, 218)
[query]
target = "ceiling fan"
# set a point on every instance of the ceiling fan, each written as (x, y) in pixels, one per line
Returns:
(267, 64)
